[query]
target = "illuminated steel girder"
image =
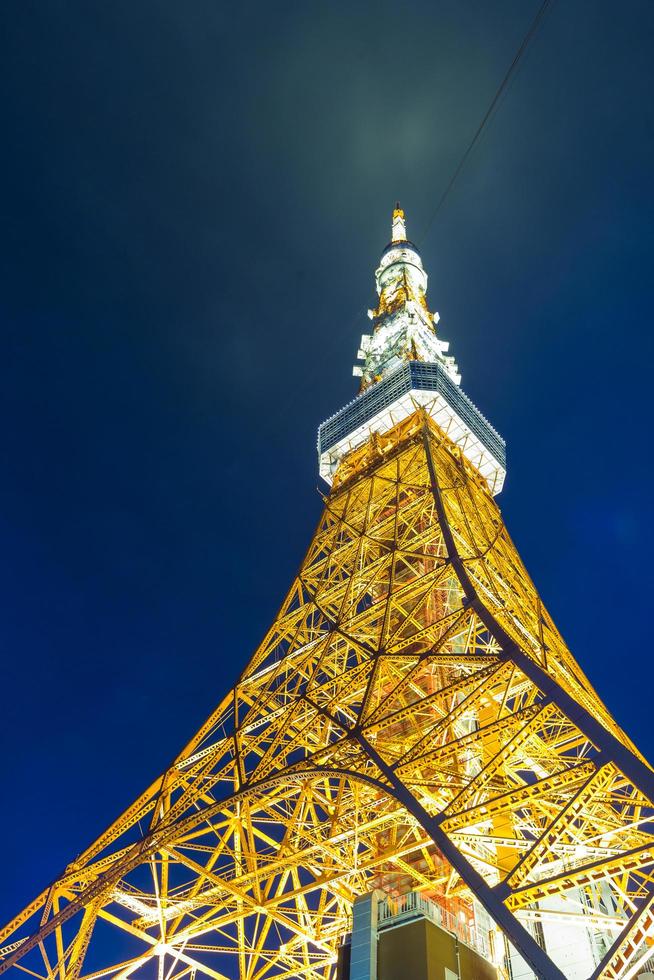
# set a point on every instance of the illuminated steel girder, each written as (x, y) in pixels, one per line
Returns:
(413, 714)
(411, 721)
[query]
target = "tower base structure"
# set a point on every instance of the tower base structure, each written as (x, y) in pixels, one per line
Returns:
(411, 721)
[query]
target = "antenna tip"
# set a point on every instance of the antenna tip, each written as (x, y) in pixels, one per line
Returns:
(398, 224)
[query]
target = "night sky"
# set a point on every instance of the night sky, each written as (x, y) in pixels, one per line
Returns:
(194, 198)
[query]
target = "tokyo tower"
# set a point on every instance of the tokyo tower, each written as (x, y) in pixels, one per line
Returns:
(411, 738)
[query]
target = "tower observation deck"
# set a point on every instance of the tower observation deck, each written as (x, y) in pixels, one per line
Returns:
(411, 751)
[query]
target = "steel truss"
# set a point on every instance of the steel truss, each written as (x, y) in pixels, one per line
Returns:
(412, 719)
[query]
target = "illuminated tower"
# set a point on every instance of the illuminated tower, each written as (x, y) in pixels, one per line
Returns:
(412, 730)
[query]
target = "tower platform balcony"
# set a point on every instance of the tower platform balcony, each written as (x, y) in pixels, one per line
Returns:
(415, 384)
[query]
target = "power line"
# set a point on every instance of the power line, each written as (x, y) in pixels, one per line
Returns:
(526, 41)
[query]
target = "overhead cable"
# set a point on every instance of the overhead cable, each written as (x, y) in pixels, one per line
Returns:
(526, 41)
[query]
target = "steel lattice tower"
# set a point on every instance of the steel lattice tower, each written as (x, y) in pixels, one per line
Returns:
(411, 721)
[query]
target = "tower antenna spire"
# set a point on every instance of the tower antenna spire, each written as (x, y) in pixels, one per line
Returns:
(398, 233)
(404, 328)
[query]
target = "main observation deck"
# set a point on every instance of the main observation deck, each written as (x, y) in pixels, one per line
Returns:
(384, 404)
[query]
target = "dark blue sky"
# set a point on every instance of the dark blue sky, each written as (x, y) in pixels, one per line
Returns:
(194, 199)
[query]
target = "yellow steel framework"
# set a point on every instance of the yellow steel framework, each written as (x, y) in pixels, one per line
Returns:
(412, 720)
